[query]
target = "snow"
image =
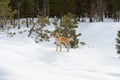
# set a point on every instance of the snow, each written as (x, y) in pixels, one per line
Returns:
(101, 36)
(23, 59)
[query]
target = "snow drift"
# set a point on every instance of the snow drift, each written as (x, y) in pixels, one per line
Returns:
(22, 59)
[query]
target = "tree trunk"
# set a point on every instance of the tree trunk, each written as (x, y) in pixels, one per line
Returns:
(18, 14)
(46, 8)
(118, 16)
(90, 11)
(18, 23)
(27, 24)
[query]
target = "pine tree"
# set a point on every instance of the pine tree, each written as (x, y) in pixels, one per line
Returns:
(116, 10)
(68, 24)
(38, 31)
(38, 7)
(6, 12)
(28, 10)
(118, 43)
(82, 8)
(61, 7)
(18, 6)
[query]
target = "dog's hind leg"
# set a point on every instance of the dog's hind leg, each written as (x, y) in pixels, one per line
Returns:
(60, 47)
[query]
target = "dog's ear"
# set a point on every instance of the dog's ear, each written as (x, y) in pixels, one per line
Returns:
(57, 33)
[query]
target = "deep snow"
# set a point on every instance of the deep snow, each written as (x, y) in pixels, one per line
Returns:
(22, 59)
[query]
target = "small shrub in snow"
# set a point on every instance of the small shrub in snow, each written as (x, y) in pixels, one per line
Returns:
(118, 42)
(39, 30)
(82, 43)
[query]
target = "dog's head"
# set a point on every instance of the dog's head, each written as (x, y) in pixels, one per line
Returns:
(57, 34)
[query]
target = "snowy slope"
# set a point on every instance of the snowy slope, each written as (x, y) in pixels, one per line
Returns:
(22, 59)
(101, 36)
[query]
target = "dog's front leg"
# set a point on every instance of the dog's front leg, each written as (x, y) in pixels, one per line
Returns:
(56, 47)
(67, 48)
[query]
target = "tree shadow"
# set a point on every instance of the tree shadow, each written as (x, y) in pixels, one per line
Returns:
(114, 74)
(3, 74)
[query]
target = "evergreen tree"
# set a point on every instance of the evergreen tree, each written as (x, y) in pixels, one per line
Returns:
(118, 43)
(18, 6)
(6, 12)
(62, 7)
(38, 31)
(82, 8)
(28, 10)
(109, 8)
(68, 24)
(116, 10)
(38, 7)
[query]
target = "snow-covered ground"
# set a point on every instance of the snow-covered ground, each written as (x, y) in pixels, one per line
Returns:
(22, 59)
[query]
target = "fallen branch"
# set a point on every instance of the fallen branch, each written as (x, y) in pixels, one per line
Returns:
(31, 29)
